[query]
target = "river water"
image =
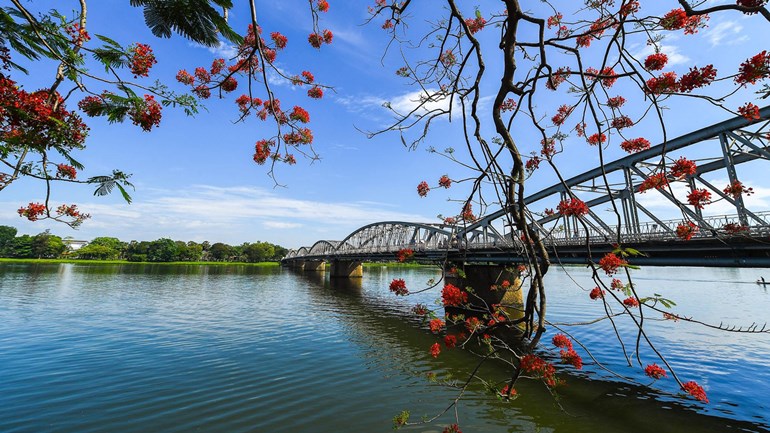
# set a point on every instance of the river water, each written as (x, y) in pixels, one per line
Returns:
(140, 348)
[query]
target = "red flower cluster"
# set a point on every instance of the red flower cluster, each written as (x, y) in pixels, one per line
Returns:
(506, 391)
(571, 357)
(420, 310)
(561, 341)
(597, 139)
(610, 263)
(423, 189)
(146, 114)
(323, 6)
(316, 40)
(404, 254)
(596, 293)
(622, 122)
(749, 111)
(750, 4)
(548, 148)
(73, 212)
(678, 19)
(453, 296)
(695, 390)
(467, 213)
(475, 24)
(279, 40)
(655, 62)
(473, 324)
(450, 341)
(654, 371)
(315, 92)
(453, 428)
(631, 302)
(754, 69)
(436, 325)
(398, 286)
(561, 114)
(447, 58)
(66, 171)
(435, 350)
(262, 151)
(300, 115)
(635, 145)
(665, 83)
(657, 181)
(508, 105)
(686, 231)
(697, 78)
(557, 78)
(683, 167)
(572, 206)
(32, 212)
(737, 188)
(616, 101)
(734, 228)
(444, 181)
(629, 8)
(609, 76)
(77, 34)
(535, 365)
(141, 59)
(617, 284)
(555, 20)
(300, 136)
(699, 198)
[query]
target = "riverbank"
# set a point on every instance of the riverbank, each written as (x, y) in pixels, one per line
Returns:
(126, 262)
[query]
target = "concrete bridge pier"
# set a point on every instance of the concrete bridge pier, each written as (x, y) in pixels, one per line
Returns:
(346, 269)
(314, 266)
(487, 282)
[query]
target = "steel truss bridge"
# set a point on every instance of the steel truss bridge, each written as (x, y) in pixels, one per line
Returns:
(739, 237)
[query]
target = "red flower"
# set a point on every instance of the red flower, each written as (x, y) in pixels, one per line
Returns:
(301, 136)
(573, 206)
(398, 286)
(467, 213)
(146, 114)
(665, 83)
(749, 111)
(610, 263)
(229, 84)
(686, 231)
(388, 24)
(699, 198)
(454, 428)
(754, 69)
(734, 228)
(505, 391)
(695, 390)
(616, 101)
(328, 36)
(420, 310)
(683, 167)
(622, 122)
(630, 302)
(309, 78)
(184, 77)
(737, 188)
(323, 6)
(562, 341)
(262, 151)
(557, 78)
(535, 365)
(571, 357)
(655, 371)
(279, 40)
(315, 40)
(656, 181)
(473, 324)
(596, 139)
(697, 78)
(548, 147)
(445, 181)
(475, 25)
(655, 62)
(508, 105)
(300, 114)
(141, 59)
(66, 171)
(617, 284)
(447, 58)
(635, 145)
(422, 189)
(450, 341)
(452, 296)
(555, 20)
(678, 19)
(436, 325)
(596, 293)
(404, 254)
(561, 115)
(435, 350)
(609, 76)
(32, 212)
(315, 92)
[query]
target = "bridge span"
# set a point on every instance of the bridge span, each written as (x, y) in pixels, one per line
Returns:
(735, 151)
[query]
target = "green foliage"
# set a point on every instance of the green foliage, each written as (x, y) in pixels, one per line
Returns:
(400, 419)
(7, 233)
(47, 246)
(197, 20)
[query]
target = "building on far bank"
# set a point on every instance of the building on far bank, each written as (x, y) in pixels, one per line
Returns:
(74, 245)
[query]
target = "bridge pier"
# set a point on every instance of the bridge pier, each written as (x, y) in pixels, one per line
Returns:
(487, 283)
(346, 269)
(314, 266)
(296, 265)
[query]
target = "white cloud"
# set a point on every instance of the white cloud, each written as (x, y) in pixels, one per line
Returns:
(280, 225)
(726, 33)
(223, 50)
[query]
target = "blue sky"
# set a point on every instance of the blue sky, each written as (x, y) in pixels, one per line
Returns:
(195, 177)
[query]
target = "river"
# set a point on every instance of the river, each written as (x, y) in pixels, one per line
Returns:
(140, 348)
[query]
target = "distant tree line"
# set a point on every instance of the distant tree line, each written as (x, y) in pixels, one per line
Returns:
(48, 246)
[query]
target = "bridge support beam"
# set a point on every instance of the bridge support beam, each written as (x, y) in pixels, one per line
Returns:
(314, 266)
(487, 282)
(346, 269)
(297, 265)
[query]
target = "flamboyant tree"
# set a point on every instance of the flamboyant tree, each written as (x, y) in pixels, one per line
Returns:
(594, 73)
